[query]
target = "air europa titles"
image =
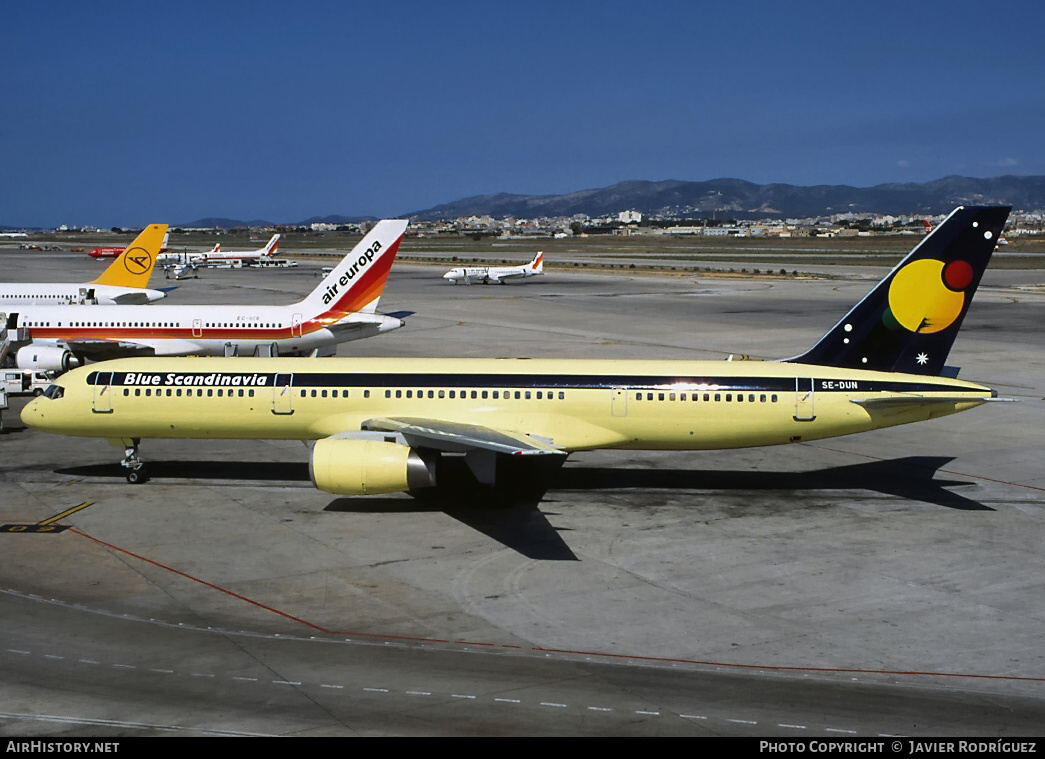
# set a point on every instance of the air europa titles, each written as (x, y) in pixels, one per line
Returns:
(356, 268)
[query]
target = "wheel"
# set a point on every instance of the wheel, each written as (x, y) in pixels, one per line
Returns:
(137, 476)
(38, 392)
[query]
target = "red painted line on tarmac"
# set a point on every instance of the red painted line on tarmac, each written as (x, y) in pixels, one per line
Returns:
(564, 651)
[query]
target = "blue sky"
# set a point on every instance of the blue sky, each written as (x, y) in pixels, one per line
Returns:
(118, 113)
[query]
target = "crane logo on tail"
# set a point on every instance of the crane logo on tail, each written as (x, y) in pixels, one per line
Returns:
(137, 260)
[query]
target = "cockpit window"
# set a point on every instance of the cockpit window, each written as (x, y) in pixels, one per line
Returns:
(53, 392)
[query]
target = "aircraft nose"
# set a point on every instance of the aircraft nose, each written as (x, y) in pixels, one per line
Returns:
(32, 413)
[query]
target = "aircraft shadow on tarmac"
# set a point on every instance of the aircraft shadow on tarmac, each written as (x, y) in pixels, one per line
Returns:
(511, 513)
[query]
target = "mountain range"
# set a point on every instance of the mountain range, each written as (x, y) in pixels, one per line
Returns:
(736, 198)
(724, 198)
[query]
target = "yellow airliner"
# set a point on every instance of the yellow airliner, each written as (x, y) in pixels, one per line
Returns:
(382, 424)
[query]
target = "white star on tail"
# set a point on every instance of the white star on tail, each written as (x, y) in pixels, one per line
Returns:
(922, 358)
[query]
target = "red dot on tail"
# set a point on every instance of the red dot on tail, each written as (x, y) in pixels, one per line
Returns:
(957, 275)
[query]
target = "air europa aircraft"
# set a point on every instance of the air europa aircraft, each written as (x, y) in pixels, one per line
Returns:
(343, 307)
(124, 282)
(382, 424)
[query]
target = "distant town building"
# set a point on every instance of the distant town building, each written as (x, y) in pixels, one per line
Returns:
(627, 217)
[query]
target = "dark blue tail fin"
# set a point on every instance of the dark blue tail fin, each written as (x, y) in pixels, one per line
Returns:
(908, 322)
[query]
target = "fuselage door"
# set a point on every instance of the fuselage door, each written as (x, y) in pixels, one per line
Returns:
(295, 325)
(197, 328)
(103, 393)
(282, 392)
(804, 411)
(619, 403)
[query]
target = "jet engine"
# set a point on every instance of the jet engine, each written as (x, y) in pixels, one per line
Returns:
(368, 467)
(46, 358)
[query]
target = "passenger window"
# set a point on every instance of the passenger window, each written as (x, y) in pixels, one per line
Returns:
(484, 395)
(562, 395)
(538, 395)
(671, 396)
(649, 396)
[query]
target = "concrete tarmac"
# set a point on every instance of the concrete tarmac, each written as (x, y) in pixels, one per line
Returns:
(885, 583)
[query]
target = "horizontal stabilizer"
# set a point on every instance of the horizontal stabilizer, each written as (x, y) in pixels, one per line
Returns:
(895, 401)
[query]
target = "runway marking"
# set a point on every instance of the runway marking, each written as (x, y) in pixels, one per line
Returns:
(389, 640)
(48, 525)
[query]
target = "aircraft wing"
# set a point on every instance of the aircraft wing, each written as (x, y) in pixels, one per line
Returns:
(103, 350)
(443, 435)
(139, 298)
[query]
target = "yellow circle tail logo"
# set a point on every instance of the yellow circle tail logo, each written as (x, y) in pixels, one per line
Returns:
(925, 296)
(137, 260)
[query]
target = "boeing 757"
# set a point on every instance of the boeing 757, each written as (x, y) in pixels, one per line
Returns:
(343, 307)
(123, 283)
(496, 274)
(382, 424)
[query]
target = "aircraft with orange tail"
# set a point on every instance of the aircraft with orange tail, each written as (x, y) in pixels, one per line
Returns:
(343, 307)
(496, 274)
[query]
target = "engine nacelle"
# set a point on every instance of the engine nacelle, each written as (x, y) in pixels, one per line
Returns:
(46, 358)
(368, 467)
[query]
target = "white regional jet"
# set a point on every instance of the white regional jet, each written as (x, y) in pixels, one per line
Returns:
(342, 308)
(122, 283)
(495, 274)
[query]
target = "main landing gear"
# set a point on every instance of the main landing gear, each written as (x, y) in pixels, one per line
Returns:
(136, 470)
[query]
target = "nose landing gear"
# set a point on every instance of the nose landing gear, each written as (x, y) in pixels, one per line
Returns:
(137, 473)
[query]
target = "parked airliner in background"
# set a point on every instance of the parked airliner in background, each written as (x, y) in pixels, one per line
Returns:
(242, 255)
(341, 308)
(123, 283)
(495, 274)
(115, 252)
(382, 424)
(166, 259)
